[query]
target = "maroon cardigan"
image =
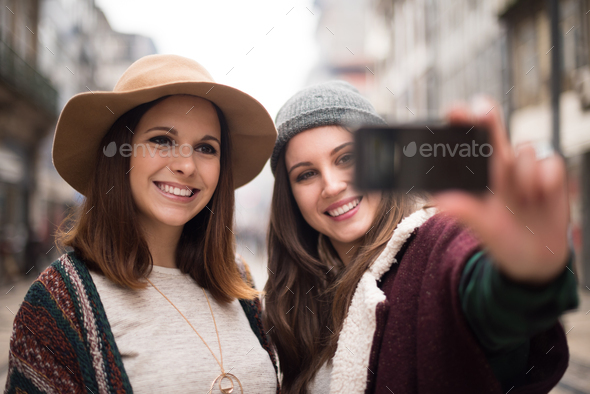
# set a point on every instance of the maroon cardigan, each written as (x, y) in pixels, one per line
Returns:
(423, 343)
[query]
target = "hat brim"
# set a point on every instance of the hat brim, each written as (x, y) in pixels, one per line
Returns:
(87, 117)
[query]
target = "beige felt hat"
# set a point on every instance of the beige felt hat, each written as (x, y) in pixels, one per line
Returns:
(87, 117)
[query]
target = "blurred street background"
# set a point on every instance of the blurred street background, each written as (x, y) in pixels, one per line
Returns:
(411, 58)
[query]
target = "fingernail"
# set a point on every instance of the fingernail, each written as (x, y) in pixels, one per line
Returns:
(543, 149)
(481, 105)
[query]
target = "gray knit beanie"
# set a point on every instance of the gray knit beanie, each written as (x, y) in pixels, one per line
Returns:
(328, 103)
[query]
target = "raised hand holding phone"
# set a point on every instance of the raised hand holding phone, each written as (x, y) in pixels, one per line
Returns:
(523, 219)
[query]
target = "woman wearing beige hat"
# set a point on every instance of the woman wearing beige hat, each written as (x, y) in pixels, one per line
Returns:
(152, 297)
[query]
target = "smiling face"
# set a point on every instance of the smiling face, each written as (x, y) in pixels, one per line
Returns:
(176, 160)
(320, 164)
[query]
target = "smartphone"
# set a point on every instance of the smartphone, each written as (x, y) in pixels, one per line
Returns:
(426, 157)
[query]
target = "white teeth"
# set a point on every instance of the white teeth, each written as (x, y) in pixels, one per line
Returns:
(345, 208)
(175, 190)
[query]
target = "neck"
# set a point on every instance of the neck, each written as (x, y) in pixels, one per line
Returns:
(162, 241)
(345, 250)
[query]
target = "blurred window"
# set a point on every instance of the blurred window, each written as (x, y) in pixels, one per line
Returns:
(430, 21)
(526, 67)
(571, 34)
(6, 17)
(24, 41)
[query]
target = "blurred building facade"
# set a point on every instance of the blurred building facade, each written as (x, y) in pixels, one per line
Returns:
(50, 50)
(28, 108)
(420, 56)
(344, 46)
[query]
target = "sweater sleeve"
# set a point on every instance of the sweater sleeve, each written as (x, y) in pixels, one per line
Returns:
(43, 357)
(504, 314)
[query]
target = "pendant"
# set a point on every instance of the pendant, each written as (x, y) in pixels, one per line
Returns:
(230, 389)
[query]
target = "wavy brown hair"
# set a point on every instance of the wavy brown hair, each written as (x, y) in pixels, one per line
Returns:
(309, 289)
(105, 233)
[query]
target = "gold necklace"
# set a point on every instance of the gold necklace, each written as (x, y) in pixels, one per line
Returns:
(223, 375)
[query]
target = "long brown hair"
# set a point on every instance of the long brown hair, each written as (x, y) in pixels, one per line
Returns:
(309, 289)
(104, 230)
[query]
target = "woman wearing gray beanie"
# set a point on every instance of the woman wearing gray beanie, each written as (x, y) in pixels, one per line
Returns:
(386, 293)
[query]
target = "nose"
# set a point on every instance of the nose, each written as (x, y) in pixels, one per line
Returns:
(333, 183)
(182, 165)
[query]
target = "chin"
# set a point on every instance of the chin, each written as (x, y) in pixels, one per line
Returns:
(347, 237)
(172, 218)
(172, 222)
(345, 234)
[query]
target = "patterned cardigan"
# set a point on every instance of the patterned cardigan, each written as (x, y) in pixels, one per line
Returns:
(62, 341)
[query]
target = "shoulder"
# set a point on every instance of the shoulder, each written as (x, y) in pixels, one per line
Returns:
(65, 289)
(437, 253)
(440, 223)
(69, 270)
(53, 279)
(444, 235)
(49, 310)
(436, 246)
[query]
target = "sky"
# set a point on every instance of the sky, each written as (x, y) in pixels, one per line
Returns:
(265, 48)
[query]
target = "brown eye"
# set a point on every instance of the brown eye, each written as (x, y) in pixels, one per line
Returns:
(207, 149)
(303, 176)
(161, 140)
(347, 158)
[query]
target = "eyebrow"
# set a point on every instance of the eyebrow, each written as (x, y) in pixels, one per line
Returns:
(172, 131)
(334, 151)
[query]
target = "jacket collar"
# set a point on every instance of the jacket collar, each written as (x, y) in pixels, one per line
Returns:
(351, 361)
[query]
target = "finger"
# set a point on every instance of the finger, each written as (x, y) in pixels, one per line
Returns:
(460, 113)
(488, 115)
(484, 113)
(553, 184)
(553, 178)
(525, 182)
